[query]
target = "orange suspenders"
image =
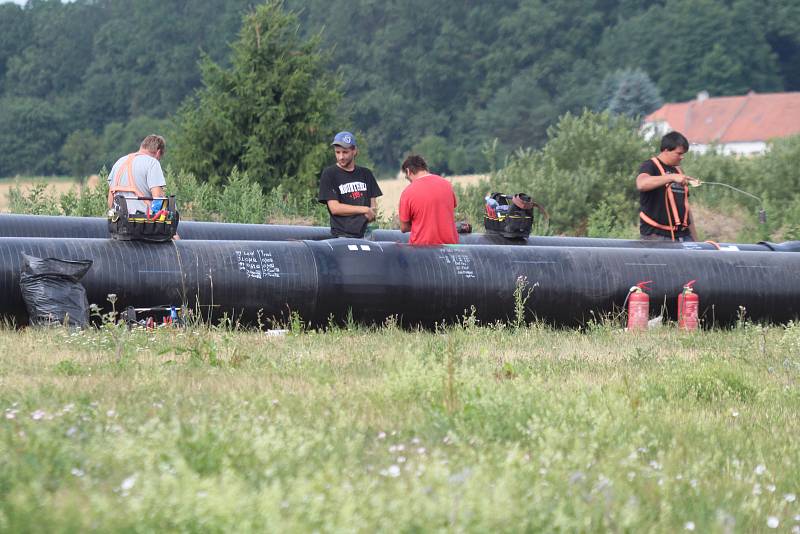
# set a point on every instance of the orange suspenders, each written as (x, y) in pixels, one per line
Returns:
(126, 168)
(673, 217)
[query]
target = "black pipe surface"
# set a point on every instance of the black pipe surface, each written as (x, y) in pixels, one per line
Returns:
(560, 241)
(425, 285)
(12, 225)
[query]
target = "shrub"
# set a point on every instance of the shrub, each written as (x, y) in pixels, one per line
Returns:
(589, 160)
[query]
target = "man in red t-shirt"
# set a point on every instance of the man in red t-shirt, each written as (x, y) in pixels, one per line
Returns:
(427, 206)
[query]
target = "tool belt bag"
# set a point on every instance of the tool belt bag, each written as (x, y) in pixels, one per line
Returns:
(138, 227)
(512, 218)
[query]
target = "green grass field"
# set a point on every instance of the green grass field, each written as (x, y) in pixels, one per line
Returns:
(466, 429)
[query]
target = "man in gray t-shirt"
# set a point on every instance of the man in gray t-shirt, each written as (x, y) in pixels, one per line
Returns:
(146, 169)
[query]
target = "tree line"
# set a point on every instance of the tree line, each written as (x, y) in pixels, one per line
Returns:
(81, 82)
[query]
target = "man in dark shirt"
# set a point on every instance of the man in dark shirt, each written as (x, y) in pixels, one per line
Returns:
(348, 190)
(664, 194)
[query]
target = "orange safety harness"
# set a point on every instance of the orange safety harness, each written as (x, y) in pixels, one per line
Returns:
(673, 216)
(126, 168)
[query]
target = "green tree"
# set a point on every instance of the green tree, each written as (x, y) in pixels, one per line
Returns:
(519, 114)
(85, 152)
(270, 114)
(14, 35)
(629, 92)
(80, 152)
(31, 135)
(58, 52)
(586, 168)
(781, 20)
(146, 53)
(702, 47)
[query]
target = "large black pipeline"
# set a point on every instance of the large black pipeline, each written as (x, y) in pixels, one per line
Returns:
(557, 241)
(425, 285)
(12, 225)
(95, 227)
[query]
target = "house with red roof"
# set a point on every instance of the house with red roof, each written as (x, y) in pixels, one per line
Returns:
(734, 124)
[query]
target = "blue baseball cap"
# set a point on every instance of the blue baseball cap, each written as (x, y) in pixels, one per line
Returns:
(344, 139)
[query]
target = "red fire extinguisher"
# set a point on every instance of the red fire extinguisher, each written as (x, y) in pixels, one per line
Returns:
(688, 306)
(638, 306)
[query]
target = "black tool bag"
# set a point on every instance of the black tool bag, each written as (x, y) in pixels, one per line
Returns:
(52, 291)
(136, 226)
(511, 218)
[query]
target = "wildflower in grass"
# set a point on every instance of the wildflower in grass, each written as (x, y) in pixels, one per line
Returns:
(401, 459)
(735, 413)
(415, 441)
(795, 529)
(381, 435)
(127, 485)
(71, 431)
(655, 465)
(789, 497)
(757, 489)
(77, 472)
(760, 469)
(38, 415)
(771, 488)
(393, 471)
(797, 517)
(421, 450)
(111, 413)
(773, 522)
(11, 413)
(693, 483)
(689, 525)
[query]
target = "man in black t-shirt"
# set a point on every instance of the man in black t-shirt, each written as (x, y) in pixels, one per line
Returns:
(664, 194)
(349, 191)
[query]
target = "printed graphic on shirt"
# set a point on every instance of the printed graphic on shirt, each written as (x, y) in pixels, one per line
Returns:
(352, 187)
(354, 190)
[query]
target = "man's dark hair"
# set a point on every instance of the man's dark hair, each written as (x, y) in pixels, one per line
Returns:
(413, 164)
(673, 140)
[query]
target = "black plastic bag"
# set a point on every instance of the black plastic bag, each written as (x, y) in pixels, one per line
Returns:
(52, 291)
